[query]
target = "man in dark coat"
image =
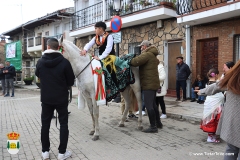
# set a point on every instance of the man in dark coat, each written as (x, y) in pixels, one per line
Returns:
(182, 74)
(10, 73)
(149, 81)
(2, 78)
(56, 76)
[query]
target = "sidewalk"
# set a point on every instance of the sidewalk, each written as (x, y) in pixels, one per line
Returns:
(190, 111)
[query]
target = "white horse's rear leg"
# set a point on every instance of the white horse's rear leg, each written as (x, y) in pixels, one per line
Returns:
(138, 95)
(137, 91)
(127, 99)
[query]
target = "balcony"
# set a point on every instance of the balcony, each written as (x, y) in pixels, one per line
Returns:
(133, 12)
(38, 40)
(34, 46)
(193, 12)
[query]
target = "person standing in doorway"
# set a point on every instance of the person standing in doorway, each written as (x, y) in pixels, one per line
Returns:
(56, 76)
(2, 78)
(10, 73)
(182, 74)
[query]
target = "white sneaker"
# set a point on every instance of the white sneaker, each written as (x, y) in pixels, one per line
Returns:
(163, 116)
(137, 113)
(144, 113)
(66, 155)
(45, 155)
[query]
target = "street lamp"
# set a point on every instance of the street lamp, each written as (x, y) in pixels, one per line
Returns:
(117, 6)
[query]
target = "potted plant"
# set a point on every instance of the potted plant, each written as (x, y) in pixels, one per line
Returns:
(28, 80)
(169, 4)
(126, 8)
(111, 9)
(145, 3)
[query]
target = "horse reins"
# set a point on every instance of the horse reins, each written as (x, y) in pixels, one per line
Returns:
(84, 68)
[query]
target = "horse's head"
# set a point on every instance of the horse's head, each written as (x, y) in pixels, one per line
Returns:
(69, 50)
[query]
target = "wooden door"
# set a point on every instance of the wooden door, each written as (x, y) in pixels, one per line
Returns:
(209, 52)
(174, 50)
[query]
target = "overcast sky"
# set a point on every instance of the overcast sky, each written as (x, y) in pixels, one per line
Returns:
(16, 12)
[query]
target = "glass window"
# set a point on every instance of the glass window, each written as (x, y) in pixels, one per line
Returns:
(236, 55)
(47, 33)
(134, 48)
(57, 30)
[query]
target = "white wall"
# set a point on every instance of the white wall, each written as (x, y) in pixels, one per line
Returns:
(51, 28)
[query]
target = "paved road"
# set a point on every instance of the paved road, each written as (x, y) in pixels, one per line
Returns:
(178, 139)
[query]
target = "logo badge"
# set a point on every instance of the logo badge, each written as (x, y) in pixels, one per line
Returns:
(13, 144)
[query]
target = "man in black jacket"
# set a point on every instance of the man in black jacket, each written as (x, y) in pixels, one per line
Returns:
(10, 73)
(182, 74)
(2, 78)
(56, 76)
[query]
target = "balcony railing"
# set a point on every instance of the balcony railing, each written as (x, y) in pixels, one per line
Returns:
(87, 16)
(31, 42)
(188, 6)
(38, 40)
(131, 6)
(94, 13)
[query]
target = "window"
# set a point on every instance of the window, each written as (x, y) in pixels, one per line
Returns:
(47, 33)
(67, 26)
(57, 30)
(134, 48)
(236, 55)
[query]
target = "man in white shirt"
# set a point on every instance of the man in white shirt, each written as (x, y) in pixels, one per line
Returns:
(103, 40)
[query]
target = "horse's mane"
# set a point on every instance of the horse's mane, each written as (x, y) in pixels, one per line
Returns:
(72, 45)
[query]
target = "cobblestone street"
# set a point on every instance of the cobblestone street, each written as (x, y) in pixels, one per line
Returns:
(178, 139)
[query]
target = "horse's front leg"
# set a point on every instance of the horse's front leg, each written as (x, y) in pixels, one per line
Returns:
(90, 107)
(96, 116)
(126, 97)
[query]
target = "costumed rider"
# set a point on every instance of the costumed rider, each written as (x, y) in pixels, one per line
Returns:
(103, 40)
(111, 65)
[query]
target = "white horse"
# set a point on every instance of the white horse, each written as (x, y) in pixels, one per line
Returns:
(86, 86)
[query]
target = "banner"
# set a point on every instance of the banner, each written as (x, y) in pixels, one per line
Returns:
(15, 56)
(11, 50)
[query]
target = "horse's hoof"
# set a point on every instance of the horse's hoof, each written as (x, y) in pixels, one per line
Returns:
(121, 125)
(95, 138)
(91, 133)
(127, 120)
(140, 128)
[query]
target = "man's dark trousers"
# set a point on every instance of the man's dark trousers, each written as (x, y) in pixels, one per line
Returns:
(183, 84)
(152, 108)
(46, 117)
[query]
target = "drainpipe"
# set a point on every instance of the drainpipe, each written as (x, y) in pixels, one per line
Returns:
(188, 58)
(104, 10)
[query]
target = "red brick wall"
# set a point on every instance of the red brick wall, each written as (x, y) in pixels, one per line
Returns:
(224, 31)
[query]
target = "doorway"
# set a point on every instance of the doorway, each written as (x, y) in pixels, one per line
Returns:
(208, 55)
(174, 50)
